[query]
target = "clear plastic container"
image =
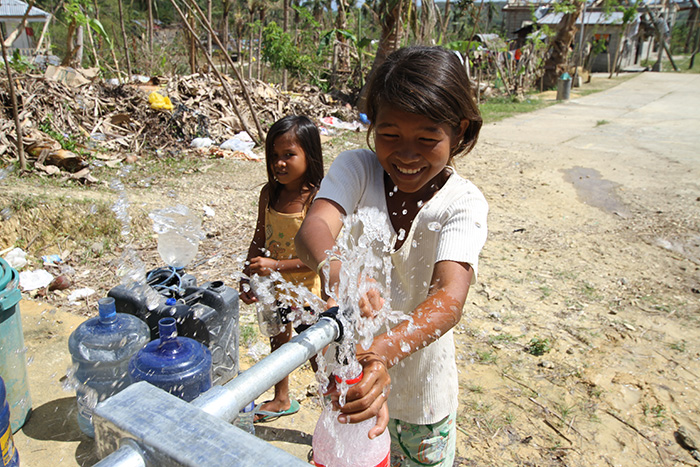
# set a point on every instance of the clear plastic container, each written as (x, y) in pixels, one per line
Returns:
(100, 349)
(269, 319)
(338, 444)
(246, 419)
(179, 365)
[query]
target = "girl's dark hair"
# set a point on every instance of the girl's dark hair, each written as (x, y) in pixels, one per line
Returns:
(309, 139)
(428, 81)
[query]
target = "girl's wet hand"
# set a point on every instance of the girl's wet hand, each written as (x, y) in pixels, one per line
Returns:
(367, 398)
(262, 266)
(371, 302)
(246, 294)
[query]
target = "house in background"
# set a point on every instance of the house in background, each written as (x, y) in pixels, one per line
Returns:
(11, 14)
(600, 28)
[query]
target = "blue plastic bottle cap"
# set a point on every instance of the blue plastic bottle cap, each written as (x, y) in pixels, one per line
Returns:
(171, 301)
(249, 408)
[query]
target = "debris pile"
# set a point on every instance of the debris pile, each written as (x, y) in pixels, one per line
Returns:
(102, 117)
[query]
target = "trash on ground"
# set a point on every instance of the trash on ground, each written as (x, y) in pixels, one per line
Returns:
(32, 280)
(16, 258)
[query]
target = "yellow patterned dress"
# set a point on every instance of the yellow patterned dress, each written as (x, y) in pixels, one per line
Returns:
(280, 230)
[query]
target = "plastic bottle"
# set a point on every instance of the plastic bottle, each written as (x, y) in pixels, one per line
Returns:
(8, 450)
(100, 349)
(338, 444)
(269, 320)
(179, 365)
(246, 418)
(179, 232)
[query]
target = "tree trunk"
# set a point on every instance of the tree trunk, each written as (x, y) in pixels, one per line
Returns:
(285, 28)
(209, 41)
(126, 42)
(387, 44)
(15, 110)
(556, 62)
(68, 59)
(79, 43)
(444, 22)
(149, 29)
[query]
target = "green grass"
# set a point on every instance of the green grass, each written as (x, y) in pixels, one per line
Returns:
(499, 108)
(681, 61)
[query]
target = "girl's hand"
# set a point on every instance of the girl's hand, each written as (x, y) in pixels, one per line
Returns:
(263, 266)
(246, 293)
(371, 302)
(368, 398)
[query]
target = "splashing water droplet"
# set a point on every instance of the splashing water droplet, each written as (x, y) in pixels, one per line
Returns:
(402, 234)
(405, 347)
(404, 212)
(420, 203)
(434, 226)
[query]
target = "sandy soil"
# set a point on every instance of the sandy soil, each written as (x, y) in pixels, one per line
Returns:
(593, 258)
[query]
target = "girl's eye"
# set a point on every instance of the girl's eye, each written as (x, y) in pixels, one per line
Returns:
(388, 135)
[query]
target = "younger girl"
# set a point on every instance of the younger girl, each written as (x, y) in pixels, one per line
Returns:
(294, 171)
(423, 113)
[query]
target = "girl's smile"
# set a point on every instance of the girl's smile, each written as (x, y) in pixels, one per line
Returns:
(411, 148)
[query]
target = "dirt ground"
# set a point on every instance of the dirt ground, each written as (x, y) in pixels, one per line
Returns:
(592, 260)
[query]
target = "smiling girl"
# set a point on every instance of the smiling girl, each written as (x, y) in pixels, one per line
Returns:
(423, 113)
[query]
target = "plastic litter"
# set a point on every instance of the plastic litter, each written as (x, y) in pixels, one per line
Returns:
(80, 293)
(201, 143)
(209, 212)
(159, 102)
(51, 259)
(16, 258)
(241, 142)
(32, 280)
(338, 123)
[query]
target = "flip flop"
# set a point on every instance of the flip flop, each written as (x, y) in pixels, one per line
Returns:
(270, 416)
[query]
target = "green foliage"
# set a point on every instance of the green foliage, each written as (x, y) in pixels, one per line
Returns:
(20, 63)
(538, 346)
(67, 142)
(281, 53)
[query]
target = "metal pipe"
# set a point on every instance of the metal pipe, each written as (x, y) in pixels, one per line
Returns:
(227, 401)
(128, 455)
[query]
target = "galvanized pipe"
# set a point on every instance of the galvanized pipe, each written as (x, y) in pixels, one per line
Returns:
(227, 401)
(128, 455)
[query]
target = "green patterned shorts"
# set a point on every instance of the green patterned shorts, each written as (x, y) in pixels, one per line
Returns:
(421, 445)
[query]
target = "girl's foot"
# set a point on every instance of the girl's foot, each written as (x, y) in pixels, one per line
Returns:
(272, 410)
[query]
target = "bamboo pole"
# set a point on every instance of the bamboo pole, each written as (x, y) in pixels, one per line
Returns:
(126, 43)
(244, 88)
(216, 71)
(13, 98)
(18, 30)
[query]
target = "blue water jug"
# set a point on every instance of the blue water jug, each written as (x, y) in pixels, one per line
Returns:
(179, 365)
(101, 348)
(10, 457)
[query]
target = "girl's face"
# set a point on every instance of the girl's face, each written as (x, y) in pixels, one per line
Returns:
(411, 148)
(288, 161)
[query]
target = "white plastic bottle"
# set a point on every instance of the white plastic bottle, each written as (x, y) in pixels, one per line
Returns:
(338, 444)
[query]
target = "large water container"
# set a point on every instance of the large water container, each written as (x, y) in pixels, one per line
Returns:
(207, 313)
(101, 348)
(179, 365)
(13, 362)
(8, 450)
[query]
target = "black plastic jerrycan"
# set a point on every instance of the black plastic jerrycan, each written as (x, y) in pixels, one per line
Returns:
(207, 313)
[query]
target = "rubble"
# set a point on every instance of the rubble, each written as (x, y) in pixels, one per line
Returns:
(107, 118)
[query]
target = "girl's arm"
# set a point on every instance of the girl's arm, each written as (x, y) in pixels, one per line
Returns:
(257, 246)
(317, 235)
(263, 265)
(436, 315)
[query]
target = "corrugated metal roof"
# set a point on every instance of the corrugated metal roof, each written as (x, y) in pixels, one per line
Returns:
(17, 8)
(592, 17)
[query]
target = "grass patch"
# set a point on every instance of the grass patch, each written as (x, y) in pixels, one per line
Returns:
(601, 122)
(249, 334)
(499, 108)
(538, 346)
